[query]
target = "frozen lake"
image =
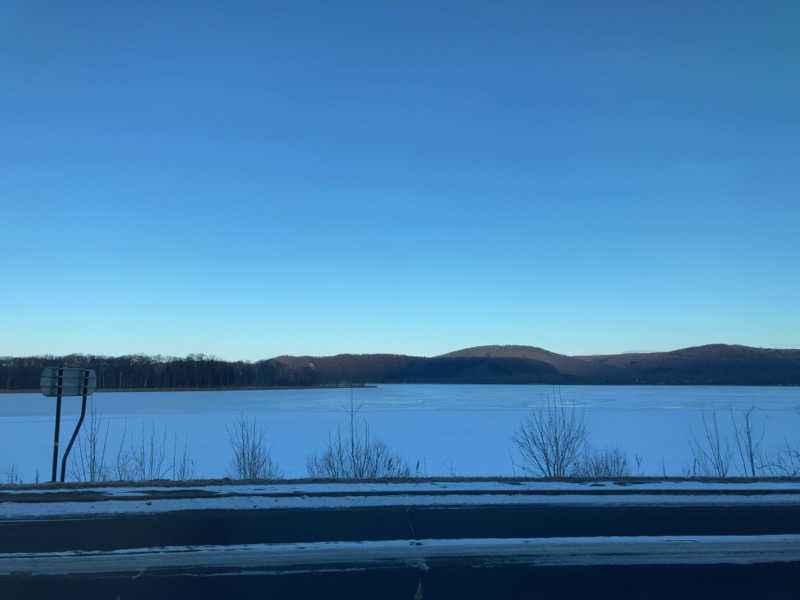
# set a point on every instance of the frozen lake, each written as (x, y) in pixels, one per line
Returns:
(460, 430)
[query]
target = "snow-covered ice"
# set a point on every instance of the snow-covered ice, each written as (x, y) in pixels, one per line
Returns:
(460, 430)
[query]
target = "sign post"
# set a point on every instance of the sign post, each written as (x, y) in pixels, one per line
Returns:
(58, 420)
(65, 381)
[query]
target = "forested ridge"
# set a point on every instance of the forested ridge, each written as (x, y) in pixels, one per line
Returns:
(716, 364)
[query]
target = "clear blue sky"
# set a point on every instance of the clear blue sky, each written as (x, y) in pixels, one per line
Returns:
(252, 179)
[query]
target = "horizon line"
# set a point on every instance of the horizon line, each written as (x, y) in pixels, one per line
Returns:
(215, 357)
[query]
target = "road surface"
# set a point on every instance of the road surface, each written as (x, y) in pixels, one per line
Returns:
(434, 539)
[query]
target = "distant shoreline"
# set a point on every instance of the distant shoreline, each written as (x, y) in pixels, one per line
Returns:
(374, 385)
(208, 389)
(712, 364)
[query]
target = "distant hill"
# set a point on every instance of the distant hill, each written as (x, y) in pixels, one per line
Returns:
(715, 364)
(712, 364)
(562, 363)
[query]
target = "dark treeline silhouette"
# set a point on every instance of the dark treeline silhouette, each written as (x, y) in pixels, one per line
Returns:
(138, 371)
(716, 364)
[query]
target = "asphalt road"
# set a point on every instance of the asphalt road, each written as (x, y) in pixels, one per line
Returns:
(669, 582)
(336, 552)
(206, 527)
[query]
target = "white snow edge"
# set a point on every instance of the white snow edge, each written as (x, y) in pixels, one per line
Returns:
(279, 558)
(437, 486)
(138, 500)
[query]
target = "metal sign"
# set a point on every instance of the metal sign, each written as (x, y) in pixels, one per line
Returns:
(72, 381)
(66, 381)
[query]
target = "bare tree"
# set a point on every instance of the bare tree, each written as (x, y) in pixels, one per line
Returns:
(550, 440)
(252, 458)
(91, 455)
(713, 453)
(356, 455)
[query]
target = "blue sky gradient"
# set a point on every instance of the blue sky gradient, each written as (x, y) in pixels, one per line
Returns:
(412, 177)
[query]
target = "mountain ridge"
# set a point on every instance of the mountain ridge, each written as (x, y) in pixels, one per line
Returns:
(710, 364)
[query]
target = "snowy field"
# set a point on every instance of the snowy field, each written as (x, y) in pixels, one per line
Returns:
(462, 430)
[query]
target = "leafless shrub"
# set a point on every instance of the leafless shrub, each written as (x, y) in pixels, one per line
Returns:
(603, 464)
(719, 455)
(712, 454)
(147, 457)
(182, 462)
(752, 458)
(252, 458)
(550, 441)
(91, 455)
(141, 458)
(12, 476)
(688, 471)
(787, 461)
(356, 455)
(123, 470)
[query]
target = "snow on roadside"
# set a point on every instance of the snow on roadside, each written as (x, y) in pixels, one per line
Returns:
(534, 551)
(340, 495)
(489, 486)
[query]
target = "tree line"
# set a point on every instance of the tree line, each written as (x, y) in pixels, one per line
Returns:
(139, 371)
(709, 365)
